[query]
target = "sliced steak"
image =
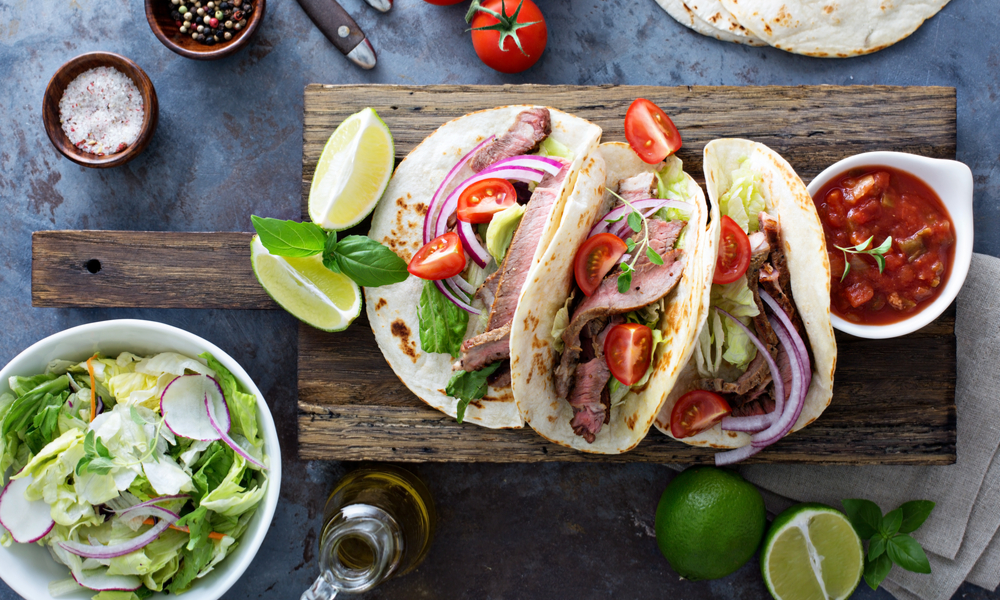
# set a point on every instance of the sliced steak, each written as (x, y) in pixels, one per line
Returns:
(514, 270)
(637, 187)
(529, 129)
(650, 282)
(485, 348)
(501, 377)
(780, 287)
(589, 412)
(757, 373)
(488, 291)
(760, 250)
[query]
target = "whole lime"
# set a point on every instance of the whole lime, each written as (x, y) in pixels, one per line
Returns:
(709, 522)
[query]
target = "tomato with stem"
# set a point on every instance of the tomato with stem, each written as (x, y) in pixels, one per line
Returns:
(506, 38)
(483, 199)
(734, 252)
(697, 411)
(650, 132)
(440, 258)
(628, 350)
(595, 258)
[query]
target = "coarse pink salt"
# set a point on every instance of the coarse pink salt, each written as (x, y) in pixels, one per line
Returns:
(101, 111)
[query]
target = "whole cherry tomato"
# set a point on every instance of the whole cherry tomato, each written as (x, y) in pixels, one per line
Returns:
(650, 132)
(483, 199)
(508, 35)
(595, 258)
(440, 258)
(734, 253)
(697, 411)
(628, 349)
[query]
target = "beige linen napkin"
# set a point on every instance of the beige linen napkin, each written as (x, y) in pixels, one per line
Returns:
(962, 527)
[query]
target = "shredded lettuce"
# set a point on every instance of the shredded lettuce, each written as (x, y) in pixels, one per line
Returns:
(743, 201)
(550, 147)
(561, 322)
(501, 231)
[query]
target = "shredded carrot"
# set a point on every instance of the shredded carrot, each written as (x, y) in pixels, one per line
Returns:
(212, 535)
(93, 388)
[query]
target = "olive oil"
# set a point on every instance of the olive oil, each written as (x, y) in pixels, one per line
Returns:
(378, 523)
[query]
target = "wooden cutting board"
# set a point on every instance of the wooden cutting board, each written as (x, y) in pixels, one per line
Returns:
(893, 399)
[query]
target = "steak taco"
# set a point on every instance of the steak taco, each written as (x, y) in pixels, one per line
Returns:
(764, 359)
(611, 314)
(472, 209)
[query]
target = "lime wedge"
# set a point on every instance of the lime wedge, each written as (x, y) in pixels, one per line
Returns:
(352, 172)
(304, 287)
(812, 553)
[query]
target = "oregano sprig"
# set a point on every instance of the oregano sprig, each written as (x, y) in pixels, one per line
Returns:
(889, 543)
(638, 223)
(876, 253)
(361, 258)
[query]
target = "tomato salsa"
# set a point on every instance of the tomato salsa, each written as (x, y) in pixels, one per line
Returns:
(879, 202)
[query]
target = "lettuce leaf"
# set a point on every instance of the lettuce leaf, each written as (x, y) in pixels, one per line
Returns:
(743, 201)
(468, 386)
(550, 147)
(442, 324)
(193, 560)
(561, 322)
(242, 406)
(22, 385)
(172, 363)
(230, 498)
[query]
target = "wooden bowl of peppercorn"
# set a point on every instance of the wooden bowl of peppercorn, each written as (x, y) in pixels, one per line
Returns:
(56, 89)
(204, 29)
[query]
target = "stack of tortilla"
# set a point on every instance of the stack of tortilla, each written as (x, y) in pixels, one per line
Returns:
(823, 28)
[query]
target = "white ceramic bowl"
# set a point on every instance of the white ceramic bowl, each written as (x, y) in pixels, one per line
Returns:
(28, 568)
(952, 182)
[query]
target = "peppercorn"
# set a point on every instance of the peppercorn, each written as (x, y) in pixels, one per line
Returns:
(229, 24)
(228, 36)
(238, 26)
(183, 29)
(201, 12)
(237, 15)
(201, 28)
(183, 10)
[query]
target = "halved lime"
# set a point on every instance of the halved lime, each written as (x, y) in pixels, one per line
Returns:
(352, 172)
(304, 287)
(812, 553)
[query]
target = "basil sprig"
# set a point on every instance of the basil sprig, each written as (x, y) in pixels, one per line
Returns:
(889, 543)
(876, 253)
(361, 258)
(636, 222)
(468, 386)
(96, 458)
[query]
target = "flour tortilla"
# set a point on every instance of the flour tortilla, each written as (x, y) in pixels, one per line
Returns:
(804, 244)
(716, 15)
(535, 358)
(687, 17)
(832, 28)
(398, 223)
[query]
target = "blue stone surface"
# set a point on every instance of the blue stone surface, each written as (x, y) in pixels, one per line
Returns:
(229, 143)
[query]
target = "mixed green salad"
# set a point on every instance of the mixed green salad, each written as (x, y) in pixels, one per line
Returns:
(140, 474)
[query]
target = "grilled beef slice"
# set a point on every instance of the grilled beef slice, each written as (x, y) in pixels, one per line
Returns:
(530, 128)
(485, 348)
(637, 187)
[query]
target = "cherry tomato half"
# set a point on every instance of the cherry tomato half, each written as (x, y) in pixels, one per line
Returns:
(596, 256)
(734, 253)
(697, 411)
(650, 132)
(628, 350)
(519, 20)
(440, 258)
(483, 199)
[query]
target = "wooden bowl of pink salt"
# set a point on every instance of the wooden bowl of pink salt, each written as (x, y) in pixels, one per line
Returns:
(100, 110)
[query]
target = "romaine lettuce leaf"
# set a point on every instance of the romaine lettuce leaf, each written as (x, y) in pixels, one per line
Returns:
(442, 324)
(193, 560)
(229, 497)
(23, 385)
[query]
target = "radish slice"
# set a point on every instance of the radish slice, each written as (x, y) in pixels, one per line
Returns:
(432, 209)
(476, 250)
(27, 520)
(183, 407)
(99, 581)
(224, 436)
(107, 552)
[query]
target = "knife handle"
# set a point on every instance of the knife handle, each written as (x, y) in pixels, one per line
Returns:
(338, 26)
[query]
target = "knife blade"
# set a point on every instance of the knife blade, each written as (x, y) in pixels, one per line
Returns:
(342, 31)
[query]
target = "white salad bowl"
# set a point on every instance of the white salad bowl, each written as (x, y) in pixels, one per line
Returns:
(28, 568)
(952, 182)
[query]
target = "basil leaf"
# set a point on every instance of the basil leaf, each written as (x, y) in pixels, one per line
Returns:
(884, 247)
(630, 244)
(891, 522)
(907, 553)
(876, 570)
(876, 547)
(914, 514)
(330, 253)
(468, 386)
(368, 262)
(289, 238)
(881, 262)
(136, 417)
(865, 515)
(624, 281)
(653, 257)
(100, 466)
(635, 221)
(442, 324)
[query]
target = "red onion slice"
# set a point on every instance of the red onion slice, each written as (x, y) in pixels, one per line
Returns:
(653, 203)
(224, 435)
(472, 245)
(166, 517)
(454, 287)
(736, 455)
(779, 385)
(451, 203)
(454, 299)
(800, 346)
(796, 398)
(539, 163)
(463, 285)
(431, 218)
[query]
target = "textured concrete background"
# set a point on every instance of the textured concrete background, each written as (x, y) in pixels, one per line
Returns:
(229, 143)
